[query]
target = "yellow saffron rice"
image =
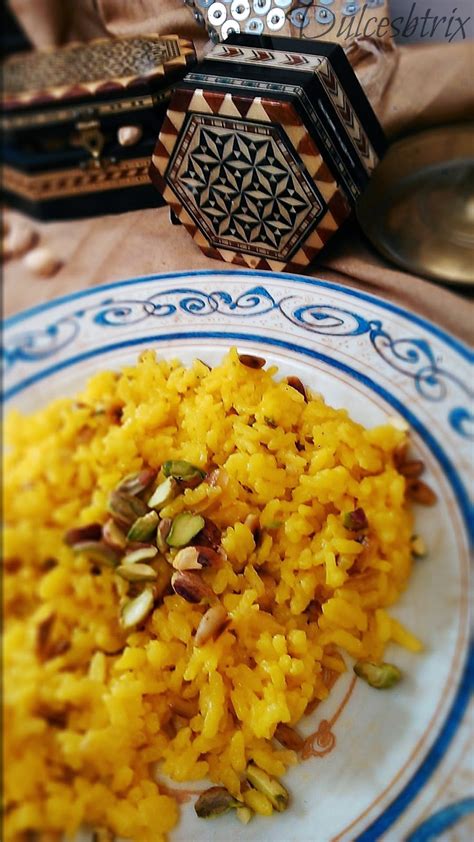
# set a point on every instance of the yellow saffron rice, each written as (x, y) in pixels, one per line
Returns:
(92, 729)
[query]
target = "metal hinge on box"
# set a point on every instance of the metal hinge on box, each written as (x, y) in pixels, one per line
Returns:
(90, 137)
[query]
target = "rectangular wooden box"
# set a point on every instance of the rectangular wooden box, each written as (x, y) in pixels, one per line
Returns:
(266, 147)
(62, 112)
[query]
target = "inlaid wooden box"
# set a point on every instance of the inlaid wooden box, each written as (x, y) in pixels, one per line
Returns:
(266, 147)
(63, 116)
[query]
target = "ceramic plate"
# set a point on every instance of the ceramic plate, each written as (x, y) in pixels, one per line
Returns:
(384, 764)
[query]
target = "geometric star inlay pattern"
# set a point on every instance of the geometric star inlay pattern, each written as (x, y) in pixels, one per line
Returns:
(244, 186)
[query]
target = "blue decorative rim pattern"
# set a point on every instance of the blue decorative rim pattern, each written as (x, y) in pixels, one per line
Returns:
(445, 818)
(450, 340)
(414, 352)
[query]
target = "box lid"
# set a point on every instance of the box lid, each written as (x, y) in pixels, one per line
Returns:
(100, 68)
(318, 80)
(267, 144)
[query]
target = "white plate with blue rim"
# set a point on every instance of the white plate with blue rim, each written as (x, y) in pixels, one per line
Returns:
(383, 766)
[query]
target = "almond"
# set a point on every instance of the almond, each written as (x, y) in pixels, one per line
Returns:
(412, 469)
(420, 492)
(190, 586)
(296, 383)
(211, 623)
(250, 361)
(42, 262)
(129, 135)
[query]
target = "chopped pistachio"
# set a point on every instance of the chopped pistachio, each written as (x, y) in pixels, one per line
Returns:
(123, 590)
(257, 801)
(163, 493)
(296, 384)
(244, 814)
(252, 522)
(78, 534)
(135, 611)
(411, 468)
(190, 586)
(97, 551)
(210, 624)
(356, 520)
(381, 676)
(418, 547)
(209, 557)
(214, 802)
(400, 453)
(195, 558)
(113, 535)
(125, 508)
(142, 554)
(288, 737)
(136, 572)
(420, 492)
(270, 787)
(210, 536)
(266, 600)
(251, 361)
(162, 532)
(187, 559)
(398, 422)
(57, 718)
(218, 477)
(184, 528)
(136, 483)
(186, 708)
(143, 528)
(43, 635)
(183, 472)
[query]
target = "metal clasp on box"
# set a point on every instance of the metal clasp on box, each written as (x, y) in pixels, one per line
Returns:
(90, 137)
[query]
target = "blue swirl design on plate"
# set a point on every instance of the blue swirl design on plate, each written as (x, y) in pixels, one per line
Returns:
(191, 301)
(329, 320)
(447, 817)
(411, 357)
(36, 345)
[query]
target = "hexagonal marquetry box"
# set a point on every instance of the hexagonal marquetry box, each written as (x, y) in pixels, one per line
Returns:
(264, 150)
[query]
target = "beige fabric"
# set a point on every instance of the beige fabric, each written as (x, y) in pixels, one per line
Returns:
(49, 23)
(52, 22)
(132, 17)
(409, 87)
(431, 85)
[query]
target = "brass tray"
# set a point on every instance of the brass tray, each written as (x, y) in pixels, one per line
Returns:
(418, 210)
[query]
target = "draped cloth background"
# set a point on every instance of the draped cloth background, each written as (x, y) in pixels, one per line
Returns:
(409, 87)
